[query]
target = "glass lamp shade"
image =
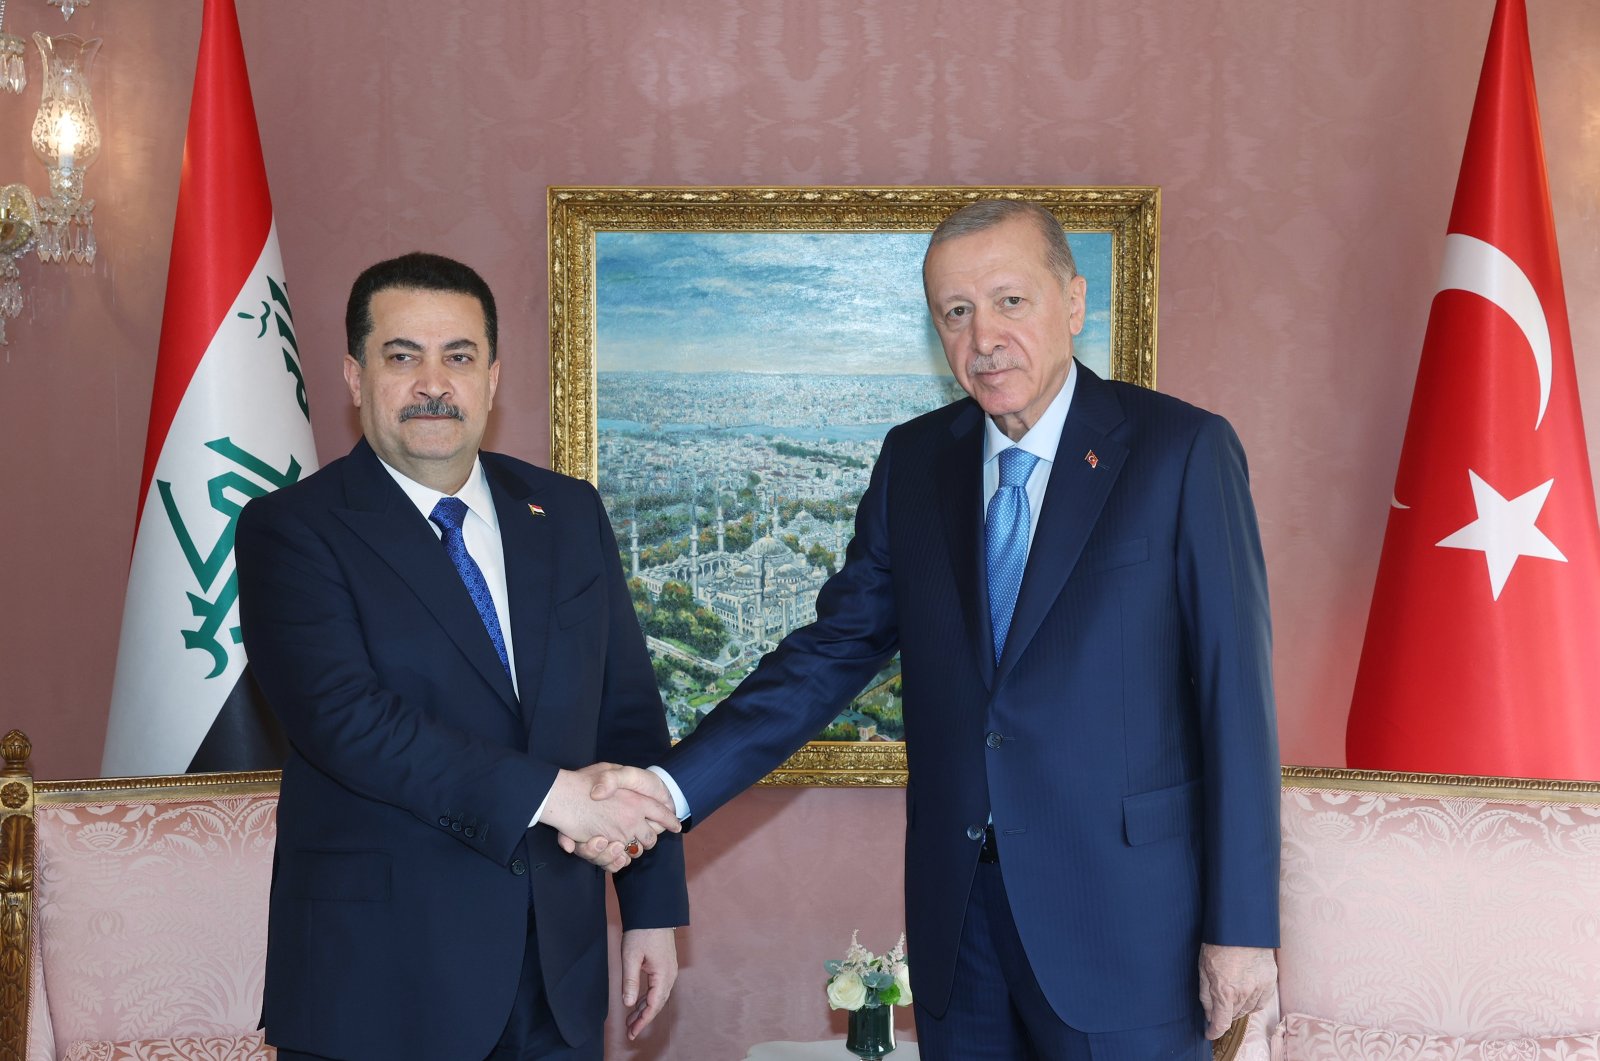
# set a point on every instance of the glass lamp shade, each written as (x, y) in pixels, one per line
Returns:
(66, 136)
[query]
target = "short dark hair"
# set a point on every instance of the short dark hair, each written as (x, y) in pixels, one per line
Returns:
(986, 213)
(416, 271)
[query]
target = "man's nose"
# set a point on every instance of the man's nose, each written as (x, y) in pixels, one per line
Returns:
(985, 332)
(433, 381)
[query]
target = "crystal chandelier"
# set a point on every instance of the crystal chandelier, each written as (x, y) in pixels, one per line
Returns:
(66, 138)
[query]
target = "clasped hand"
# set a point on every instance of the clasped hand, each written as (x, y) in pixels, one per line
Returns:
(601, 809)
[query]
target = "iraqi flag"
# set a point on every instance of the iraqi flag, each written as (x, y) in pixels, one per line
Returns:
(1482, 653)
(228, 422)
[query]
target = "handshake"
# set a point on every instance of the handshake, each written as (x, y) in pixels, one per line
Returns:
(609, 814)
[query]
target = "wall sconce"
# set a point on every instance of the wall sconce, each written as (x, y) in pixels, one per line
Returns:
(66, 138)
(19, 220)
(68, 7)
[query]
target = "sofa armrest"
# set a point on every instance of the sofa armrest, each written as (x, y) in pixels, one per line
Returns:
(16, 895)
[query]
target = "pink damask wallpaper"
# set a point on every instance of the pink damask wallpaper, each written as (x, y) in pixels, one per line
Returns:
(1307, 154)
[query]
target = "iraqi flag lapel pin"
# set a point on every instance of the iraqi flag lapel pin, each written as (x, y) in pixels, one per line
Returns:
(537, 510)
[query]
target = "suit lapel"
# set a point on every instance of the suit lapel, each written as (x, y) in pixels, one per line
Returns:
(383, 517)
(960, 475)
(528, 541)
(1073, 500)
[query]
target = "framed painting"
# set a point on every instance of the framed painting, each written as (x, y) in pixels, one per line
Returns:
(724, 365)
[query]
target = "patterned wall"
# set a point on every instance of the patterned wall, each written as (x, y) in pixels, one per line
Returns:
(1307, 153)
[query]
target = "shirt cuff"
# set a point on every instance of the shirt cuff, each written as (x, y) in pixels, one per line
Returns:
(680, 806)
(540, 811)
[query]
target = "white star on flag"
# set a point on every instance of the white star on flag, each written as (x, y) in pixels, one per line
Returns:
(1504, 530)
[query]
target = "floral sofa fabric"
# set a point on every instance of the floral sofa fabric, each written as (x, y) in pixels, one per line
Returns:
(1310, 1039)
(1422, 911)
(189, 1048)
(149, 925)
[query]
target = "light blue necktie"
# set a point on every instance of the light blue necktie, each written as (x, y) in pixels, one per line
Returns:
(1005, 536)
(448, 514)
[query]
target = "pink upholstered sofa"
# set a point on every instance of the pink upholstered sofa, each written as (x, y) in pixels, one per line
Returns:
(1435, 918)
(134, 915)
(1422, 915)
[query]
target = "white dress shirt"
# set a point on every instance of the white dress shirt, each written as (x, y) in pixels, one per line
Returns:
(1041, 441)
(481, 531)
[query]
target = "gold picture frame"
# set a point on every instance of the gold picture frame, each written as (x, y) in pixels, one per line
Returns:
(1115, 230)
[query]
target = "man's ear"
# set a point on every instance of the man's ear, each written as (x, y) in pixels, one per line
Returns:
(1077, 298)
(352, 379)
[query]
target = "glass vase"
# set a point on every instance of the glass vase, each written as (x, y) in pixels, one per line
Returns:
(871, 1031)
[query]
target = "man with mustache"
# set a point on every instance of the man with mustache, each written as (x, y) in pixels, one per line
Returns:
(446, 637)
(1071, 571)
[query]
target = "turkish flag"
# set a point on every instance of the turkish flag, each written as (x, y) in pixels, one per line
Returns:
(1482, 653)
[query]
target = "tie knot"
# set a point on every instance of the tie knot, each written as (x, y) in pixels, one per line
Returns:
(449, 513)
(1016, 464)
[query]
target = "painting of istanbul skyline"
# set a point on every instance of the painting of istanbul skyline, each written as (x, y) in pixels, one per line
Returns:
(745, 381)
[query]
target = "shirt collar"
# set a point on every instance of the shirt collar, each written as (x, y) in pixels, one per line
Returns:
(474, 492)
(1045, 435)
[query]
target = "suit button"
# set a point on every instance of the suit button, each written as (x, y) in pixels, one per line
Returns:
(469, 832)
(519, 867)
(445, 821)
(974, 832)
(994, 740)
(455, 825)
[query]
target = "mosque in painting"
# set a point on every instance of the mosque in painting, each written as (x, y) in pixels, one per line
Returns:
(760, 593)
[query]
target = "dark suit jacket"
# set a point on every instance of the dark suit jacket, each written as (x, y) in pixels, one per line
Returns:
(1126, 743)
(405, 867)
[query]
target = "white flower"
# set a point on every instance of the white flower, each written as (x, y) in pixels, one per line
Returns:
(846, 991)
(902, 980)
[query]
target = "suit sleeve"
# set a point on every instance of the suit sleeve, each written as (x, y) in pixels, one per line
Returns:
(651, 892)
(307, 650)
(1222, 587)
(805, 682)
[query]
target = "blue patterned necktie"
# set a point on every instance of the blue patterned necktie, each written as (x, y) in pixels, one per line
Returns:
(449, 514)
(1005, 536)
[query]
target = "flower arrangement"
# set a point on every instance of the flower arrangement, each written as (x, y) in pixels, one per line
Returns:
(863, 979)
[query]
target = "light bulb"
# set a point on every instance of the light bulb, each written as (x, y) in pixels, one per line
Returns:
(66, 137)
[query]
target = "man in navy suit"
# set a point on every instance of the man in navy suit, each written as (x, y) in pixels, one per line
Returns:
(1071, 571)
(446, 636)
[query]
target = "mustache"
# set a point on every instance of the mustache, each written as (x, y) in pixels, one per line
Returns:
(431, 407)
(990, 363)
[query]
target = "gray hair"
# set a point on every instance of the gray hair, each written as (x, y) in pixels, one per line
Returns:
(986, 213)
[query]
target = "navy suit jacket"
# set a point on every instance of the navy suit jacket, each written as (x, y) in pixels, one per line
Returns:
(1126, 743)
(405, 868)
